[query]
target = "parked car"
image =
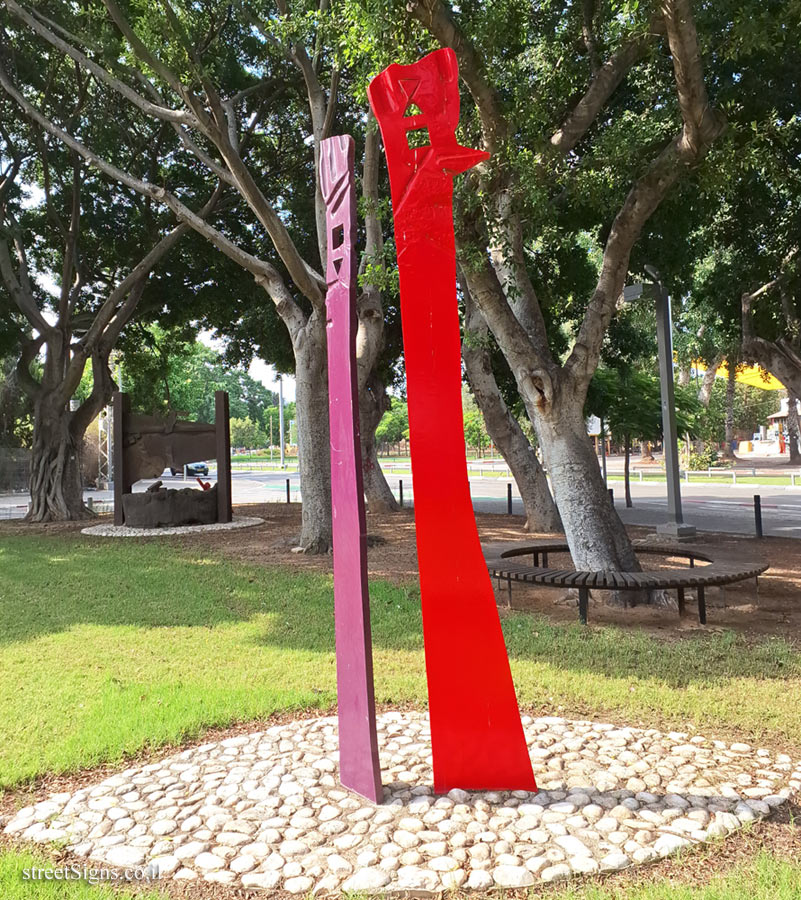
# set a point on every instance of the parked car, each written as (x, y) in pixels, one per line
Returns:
(193, 469)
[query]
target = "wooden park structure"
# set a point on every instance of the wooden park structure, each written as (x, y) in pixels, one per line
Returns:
(143, 446)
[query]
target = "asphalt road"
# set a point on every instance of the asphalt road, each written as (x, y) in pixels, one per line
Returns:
(710, 507)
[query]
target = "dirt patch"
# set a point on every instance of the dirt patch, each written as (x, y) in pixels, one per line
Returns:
(771, 608)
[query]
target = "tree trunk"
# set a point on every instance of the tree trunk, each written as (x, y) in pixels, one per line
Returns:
(728, 452)
(373, 403)
(793, 430)
(593, 529)
(626, 475)
(311, 409)
(595, 534)
(646, 453)
(506, 433)
(55, 482)
(708, 382)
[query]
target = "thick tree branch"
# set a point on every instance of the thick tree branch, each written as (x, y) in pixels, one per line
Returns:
(178, 119)
(265, 274)
(749, 297)
(8, 180)
(307, 280)
(503, 222)
(20, 288)
(151, 109)
(143, 51)
(437, 18)
(588, 11)
(30, 351)
(189, 143)
(701, 126)
(102, 388)
(503, 428)
(604, 83)
(322, 116)
(70, 269)
(536, 374)
(780, 357)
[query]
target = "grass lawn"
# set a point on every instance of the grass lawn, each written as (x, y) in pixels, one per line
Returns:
(110, 647)
(15, 885)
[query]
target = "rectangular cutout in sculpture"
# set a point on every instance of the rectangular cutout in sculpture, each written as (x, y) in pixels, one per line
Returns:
(476, 732)
(359, 768)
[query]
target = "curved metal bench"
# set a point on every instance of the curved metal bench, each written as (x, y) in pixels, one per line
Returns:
(722, 567)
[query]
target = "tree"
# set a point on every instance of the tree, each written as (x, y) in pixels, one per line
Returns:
(99, 278)
(246, 433)
(745, 280)
(394, 424)
(739, 408)
(202, 85)
(507, 435)
(630, 404)
(793, 429)
(171, 370)
(515, 195)
(475, 432)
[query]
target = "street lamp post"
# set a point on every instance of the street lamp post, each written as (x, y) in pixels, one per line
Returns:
(675, 526)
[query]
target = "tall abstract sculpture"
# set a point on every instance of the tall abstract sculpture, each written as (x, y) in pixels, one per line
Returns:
(358, 744)
(476, 732)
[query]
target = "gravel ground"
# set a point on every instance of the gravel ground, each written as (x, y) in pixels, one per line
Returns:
(265, 809)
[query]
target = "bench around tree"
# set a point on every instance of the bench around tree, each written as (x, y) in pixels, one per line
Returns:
(721, 567)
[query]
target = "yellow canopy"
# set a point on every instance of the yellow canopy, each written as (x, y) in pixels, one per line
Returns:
(754, 375)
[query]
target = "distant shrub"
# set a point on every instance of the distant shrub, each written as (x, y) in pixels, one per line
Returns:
(704, 459)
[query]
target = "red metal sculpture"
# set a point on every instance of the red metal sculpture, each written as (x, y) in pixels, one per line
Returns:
(359, 768)
(476, 732)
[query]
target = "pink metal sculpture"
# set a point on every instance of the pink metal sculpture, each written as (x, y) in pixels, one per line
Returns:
(359, 768)
(476, 732)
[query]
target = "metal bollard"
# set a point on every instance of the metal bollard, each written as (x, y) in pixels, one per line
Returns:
(400, 492)
(287, 491)
(612, 496)
(758, 515)
(509, 498)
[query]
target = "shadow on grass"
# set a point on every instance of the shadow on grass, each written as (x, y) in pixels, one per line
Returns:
(48, 585)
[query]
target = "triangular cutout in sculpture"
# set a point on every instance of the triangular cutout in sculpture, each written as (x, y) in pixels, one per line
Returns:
(409, 86)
